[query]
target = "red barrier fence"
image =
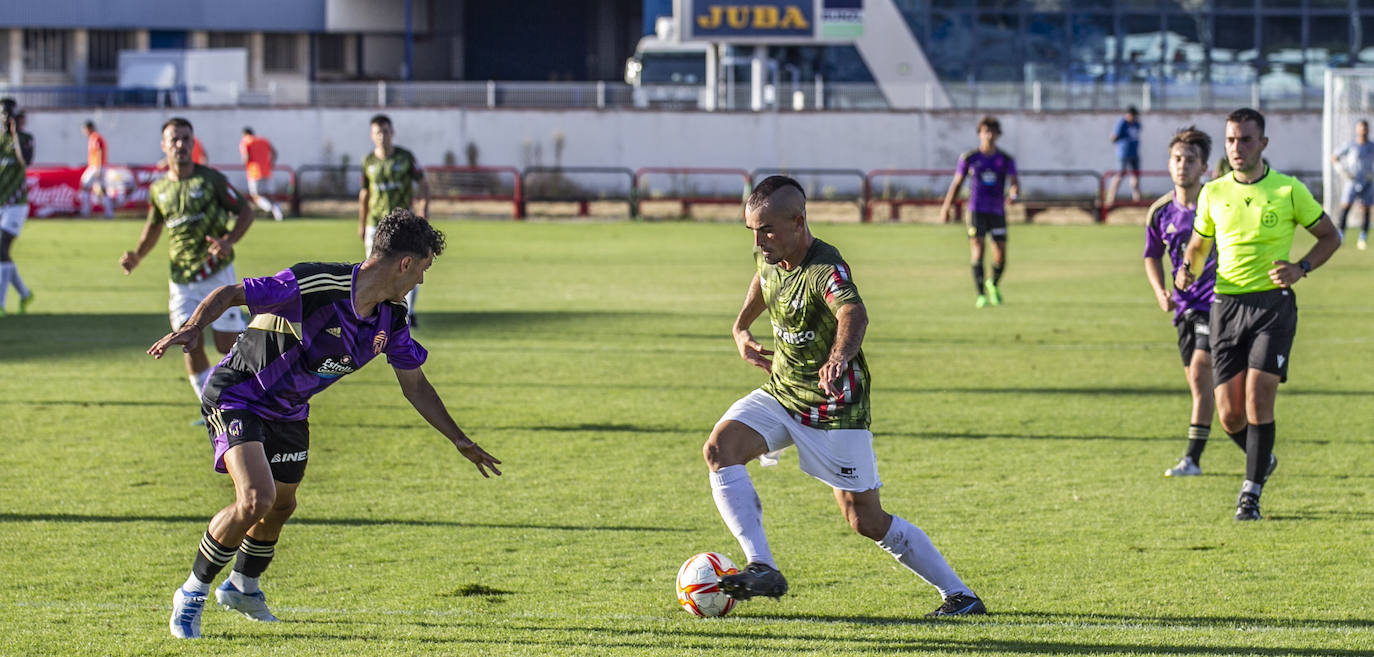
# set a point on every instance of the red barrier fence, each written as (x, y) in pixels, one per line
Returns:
(55, 190)
(689, 185)
(495, 183)
(580, 185)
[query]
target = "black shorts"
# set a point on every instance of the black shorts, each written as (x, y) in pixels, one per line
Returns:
(1253, 331)
(988, 223)
(1194, 329)
(287, 444)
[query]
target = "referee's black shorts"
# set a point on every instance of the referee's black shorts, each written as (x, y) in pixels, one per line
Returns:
(1253, 331)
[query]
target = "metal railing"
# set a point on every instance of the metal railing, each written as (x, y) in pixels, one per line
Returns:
(784, 97)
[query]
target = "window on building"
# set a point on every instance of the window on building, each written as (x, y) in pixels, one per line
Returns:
(102, 54)
(329, 53)
(1328, 46)
(1092, 54)
(1185, 52)
(1142, 46)
(45, 51)
(1234, 49)
(279, 53)
(227, 39)
(4, 53)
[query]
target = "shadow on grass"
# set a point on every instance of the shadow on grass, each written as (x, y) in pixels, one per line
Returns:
(728, 634)
(343, 522)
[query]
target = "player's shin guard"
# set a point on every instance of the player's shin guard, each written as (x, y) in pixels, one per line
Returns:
(742, 512)
(211, 558)
(1258, 451)
(912, 548)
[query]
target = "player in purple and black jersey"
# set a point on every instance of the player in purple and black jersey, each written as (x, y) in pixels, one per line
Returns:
(991, 170)
(1169, 227)
(313, 323)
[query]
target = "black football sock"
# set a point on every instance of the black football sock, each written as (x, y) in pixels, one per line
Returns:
(997, 273)
(1239, 438)
(254, 556)
(1197, 440)
(1260, 447)
(978, 277)
(211, 558)
(1345, 213)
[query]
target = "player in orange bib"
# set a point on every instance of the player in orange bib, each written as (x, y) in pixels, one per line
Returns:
(93, 178)
(198, 155)
(258, 157)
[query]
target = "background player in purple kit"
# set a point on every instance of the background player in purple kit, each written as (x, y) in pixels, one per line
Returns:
(313, 323)
(1169, 227)
(991, 170)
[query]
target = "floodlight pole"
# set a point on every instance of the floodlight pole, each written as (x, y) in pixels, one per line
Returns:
(711, 99)
(756, 67)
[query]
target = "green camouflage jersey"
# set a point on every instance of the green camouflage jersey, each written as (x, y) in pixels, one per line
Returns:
(13, 189)
(389, 182)
(193, 208)
(801, 307)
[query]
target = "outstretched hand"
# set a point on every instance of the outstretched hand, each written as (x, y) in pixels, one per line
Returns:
(830, 374)
(753, 352)
(479, 457)
(188, 336)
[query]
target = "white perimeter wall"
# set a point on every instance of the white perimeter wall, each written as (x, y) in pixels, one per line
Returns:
(916, 140)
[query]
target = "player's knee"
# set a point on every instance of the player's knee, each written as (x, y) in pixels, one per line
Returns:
(871, 524)
(714, 453)
(255, 503)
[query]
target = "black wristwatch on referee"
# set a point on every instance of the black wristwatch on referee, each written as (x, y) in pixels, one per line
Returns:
(1305, 266)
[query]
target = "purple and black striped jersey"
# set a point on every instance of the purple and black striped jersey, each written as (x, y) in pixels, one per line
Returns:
(1169, 227)
(304, 336)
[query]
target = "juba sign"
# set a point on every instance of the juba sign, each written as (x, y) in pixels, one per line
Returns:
(769, 21)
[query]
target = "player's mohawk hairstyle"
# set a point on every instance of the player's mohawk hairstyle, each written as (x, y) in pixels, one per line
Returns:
(768, 186)
(401, 232)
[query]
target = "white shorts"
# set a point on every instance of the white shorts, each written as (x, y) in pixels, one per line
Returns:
(841, 458)
(263, 187)
(92, 176)
(369, 234)
(12, 218)
(186, 296)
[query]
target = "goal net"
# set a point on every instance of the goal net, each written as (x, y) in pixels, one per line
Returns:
(1349, 98)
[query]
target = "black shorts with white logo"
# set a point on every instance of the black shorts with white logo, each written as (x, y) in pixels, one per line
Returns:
(1253, 331)
(287, 444)
(1194, 329)
(988, 223)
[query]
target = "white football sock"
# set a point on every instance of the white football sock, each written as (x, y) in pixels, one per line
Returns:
(243, 582)
(263, 203)
(199, 379)
(6, 270)
(194, 585)
(1251, 487)
(86, 202)
(913, 549)
(18, 282)
(742, 512)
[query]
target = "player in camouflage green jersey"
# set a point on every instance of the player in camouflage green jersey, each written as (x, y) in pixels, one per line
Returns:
(196, 205)
(16, 151)
(816, 398)
(390, 174)
(802, 306)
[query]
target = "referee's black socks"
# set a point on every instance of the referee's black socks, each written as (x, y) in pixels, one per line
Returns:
(1259, 449)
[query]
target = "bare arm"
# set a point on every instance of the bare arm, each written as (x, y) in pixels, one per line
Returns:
(223, 246)
(1154, 272)
(852, 320)
(223, 298)
(364, 196)
(19, 153)
(1285, 273)
(151, 231)
(1015, 188)
(423, 205)
(954, 186)
(422, 396)
(749, 348)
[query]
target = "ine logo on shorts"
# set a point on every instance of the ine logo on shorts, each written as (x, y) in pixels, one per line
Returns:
(294, 457)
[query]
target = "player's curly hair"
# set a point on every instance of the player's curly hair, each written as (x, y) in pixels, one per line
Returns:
(1195, 138)
(400, 232)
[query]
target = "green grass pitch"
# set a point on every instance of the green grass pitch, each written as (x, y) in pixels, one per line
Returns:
(1028, 440)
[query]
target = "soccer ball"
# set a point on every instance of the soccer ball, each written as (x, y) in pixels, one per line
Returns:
(697, 591)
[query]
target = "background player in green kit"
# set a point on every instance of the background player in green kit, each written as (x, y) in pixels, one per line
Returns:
(816, 397)
(196, 204)
(1251, 215)
(389, 176)
(16, 151)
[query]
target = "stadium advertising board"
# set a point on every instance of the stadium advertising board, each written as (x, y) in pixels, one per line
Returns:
(55, 191)
(769, 21)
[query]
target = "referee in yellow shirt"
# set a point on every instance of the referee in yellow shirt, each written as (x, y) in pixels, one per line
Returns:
(1251, 215)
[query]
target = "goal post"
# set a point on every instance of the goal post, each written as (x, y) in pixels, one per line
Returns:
(1349, 98)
